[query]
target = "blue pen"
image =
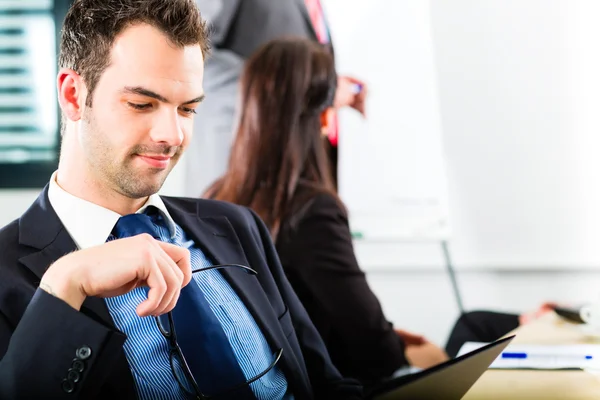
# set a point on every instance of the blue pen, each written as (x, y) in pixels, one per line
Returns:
(514, 355)
(525, 355)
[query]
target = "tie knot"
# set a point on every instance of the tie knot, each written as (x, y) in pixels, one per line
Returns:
(135, 224)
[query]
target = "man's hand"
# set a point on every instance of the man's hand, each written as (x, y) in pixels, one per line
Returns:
(119, 266)
(541, 310)
(348, 94)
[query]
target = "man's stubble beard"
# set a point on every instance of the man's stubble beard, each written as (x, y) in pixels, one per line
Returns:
(120, 175)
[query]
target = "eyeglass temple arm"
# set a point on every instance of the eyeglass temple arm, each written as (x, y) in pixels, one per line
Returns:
(221, 266)
(257, 377)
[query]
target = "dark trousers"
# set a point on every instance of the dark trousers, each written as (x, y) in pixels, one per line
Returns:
(480, 326)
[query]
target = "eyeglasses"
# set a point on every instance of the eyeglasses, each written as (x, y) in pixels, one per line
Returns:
(176, 358)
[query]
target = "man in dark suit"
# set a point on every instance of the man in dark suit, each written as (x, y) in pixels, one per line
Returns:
(239, 28)
(108, 290)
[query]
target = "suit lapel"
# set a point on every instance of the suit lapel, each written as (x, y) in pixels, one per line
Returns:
(218, 240)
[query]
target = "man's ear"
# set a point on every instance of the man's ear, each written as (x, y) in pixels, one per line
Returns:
(326, 120)
(71, 93)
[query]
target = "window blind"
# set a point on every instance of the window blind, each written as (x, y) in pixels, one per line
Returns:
(28, 107)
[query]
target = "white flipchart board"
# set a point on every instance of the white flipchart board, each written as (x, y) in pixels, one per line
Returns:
(391, 165)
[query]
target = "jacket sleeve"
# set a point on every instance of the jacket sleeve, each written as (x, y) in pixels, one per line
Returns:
(55, 352)
(325, 379)
(321, 265)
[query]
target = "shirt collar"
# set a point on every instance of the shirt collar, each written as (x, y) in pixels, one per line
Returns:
(90, 224)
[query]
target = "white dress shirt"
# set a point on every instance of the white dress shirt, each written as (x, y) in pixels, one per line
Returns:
(90, 224)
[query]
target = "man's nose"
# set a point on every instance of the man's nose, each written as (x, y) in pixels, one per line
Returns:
(168, 129)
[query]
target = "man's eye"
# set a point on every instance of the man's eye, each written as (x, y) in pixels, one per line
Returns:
(188, 111)
(137, 106)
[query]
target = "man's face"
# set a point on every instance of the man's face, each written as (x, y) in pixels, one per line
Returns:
(142, 112)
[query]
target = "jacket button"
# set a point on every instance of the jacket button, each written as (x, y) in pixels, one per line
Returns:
(73, 375)
(68, 386)
(84, 352)
(78, 365)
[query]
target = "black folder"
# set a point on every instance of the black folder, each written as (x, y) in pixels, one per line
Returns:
(450, 380)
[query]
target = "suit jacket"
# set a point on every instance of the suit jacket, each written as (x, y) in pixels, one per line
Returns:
(315, 248)
(244, 25)
(41, 337)
(238, 28)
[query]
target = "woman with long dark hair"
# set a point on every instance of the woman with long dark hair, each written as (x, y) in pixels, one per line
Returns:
(278, 160)
(279, 168)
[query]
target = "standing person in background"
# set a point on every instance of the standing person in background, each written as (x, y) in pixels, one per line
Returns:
(238, 29)
(279, 168)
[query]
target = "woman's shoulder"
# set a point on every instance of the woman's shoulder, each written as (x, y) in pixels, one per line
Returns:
(309, 206)
(318, 202)
(325, 200)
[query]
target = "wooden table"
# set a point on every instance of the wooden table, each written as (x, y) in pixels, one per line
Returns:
(540, 385)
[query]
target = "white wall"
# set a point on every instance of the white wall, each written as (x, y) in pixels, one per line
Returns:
(519, 84)
(518, 88)
(14, 202)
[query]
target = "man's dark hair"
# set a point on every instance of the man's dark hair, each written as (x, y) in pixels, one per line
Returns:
(91, 26)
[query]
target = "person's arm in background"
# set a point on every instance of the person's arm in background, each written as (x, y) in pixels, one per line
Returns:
(351, 92)
(543, 309)
(487, 326)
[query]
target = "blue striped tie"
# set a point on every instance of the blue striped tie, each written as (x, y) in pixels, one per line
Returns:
(199, 333)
